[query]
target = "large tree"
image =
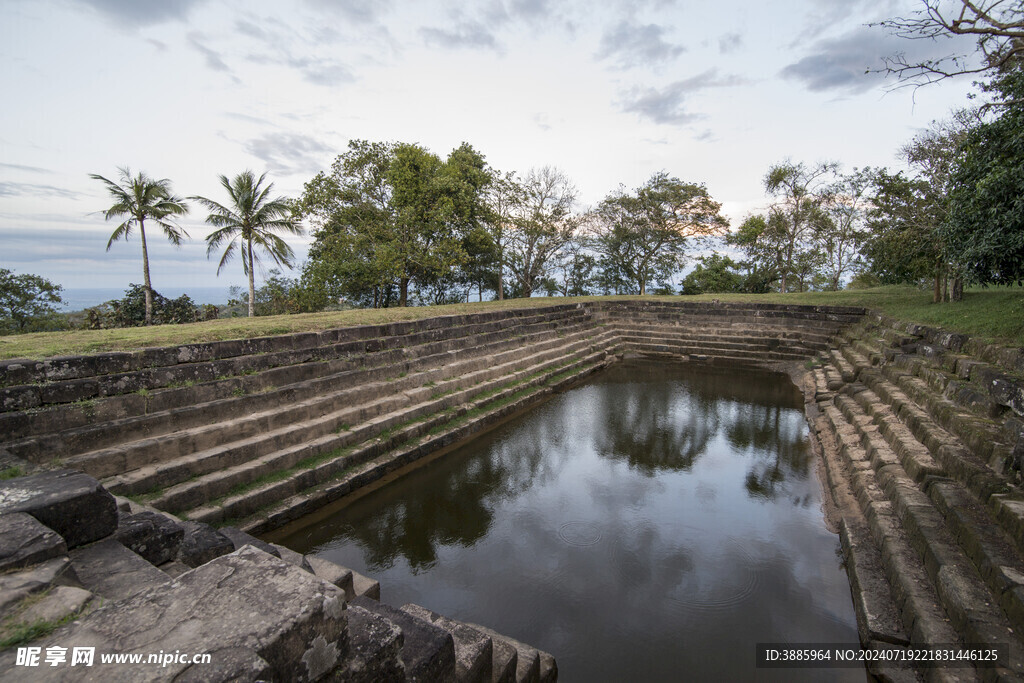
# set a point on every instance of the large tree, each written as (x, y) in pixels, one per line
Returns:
(644, 234)
(247, 224)
(984, 227)
(391, 216)
(839, 239)
(799, 192)
(140, 198)
(26, 301)
(543, 224)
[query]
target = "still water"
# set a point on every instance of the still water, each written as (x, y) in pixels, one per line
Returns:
(652, 524)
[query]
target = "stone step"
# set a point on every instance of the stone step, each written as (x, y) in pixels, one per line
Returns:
(314, 490)
(255, 457)
(532, 665)
(428, 651)
(975, 612)
(731, 332)
(265, 390)
(114, 572)
(365, 464)
(473, 649)
(374, 649)
(696, 354)
(279, 422)
(744, 345)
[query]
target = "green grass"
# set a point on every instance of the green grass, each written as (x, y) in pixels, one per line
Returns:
(12, 472)
(995, 314)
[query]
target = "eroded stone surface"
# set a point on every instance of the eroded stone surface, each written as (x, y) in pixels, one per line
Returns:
(473, 649)
(71, 503)
(109, 569)
(26, 541)
(202, 543)
(154, 536)
(428, 652)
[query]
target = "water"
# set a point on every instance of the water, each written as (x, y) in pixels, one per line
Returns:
(653, 524)
(80, 298)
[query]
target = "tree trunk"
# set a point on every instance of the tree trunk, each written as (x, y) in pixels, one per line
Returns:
(252, 281)
(145, 274)
(643, 288)
(958, 289)
(403, 292)
(937, 289)
(945, 288)
(480, 289)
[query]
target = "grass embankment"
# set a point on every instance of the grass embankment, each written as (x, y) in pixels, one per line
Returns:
(995, 314)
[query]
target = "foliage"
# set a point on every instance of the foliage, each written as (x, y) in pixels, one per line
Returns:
(985, 227)
(27, 303)
(138, 199)
(250, 219)
(130, 310)
(901, 247)
(714, 274)
(840, 237)
(394, 215)
(762, 241)
(643, 235)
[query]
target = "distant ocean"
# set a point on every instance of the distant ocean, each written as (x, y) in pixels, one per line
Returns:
(76, 299)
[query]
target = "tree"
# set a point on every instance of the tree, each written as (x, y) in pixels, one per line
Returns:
(251, 218)
(26, 301)
(839, 239)
(762, 240)
(504, 198)
(984, 227)
(393, 215)
(141, 198)
(543, 225)
(714, 274)
(998, 26)
(645, 234)
(797, 213)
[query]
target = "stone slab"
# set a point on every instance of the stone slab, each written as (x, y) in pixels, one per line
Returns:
(27, 541)
(71, 503)
(244, 608)
(473, 649)
(528, 660)
(18, 585)
(374, 649)
(428, 652)
(332, 573)
(240, 539)
(59, 603)
(153, 536)
(201, 543)
(111, 570)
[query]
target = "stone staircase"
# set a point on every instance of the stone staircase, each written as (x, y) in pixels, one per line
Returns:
(256, 433)
(923, 449)
(126, 580)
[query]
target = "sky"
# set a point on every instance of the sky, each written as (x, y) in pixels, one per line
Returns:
(610, 92)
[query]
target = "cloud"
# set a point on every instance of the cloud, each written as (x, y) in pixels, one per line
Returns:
(30, 169)
(730, 42)
(278, 41)
(143, 12)
(841, 63)
(667, 105)
(467, 34)
(634, 45)
(357, 11)
(288, 153)
(8, 189)
(213, 58)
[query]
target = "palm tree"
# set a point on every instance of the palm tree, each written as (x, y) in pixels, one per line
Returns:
(251, 219)
(142, 198)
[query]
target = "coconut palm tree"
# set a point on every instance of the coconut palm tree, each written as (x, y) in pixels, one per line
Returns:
(141, 198)
(250, 220)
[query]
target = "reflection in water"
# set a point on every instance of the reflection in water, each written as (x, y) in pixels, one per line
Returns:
(653, 524)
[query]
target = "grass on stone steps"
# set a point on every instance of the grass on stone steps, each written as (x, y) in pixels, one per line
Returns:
(994, 314)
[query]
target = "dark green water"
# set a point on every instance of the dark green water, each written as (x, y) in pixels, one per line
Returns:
(653, 524)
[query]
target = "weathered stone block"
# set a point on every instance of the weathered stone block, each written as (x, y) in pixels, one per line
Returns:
(59, 603)
(154, 536)
(26, 541)
(18, 585)
(113, 571)
(202, 543)
(374, 649)
(428, 652)
(241, 539)
(473, 649)
(332, 573)
(71, 503)
(245, 602)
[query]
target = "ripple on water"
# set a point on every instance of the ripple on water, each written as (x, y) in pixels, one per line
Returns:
(580, 533)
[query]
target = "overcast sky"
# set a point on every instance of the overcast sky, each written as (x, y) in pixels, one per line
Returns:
(610, 92)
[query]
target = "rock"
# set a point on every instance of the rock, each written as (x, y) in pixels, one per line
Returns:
(202, 543)
(240, 539)
(58, 604)
(113, 571)
(152, 535)
(364, 586)
(473, 649)
(374, 649)
(16, 586)
(242, 608)
(332, 573)
(293, 557)
(26, 541)
(528, 659)
(428, 652)
(174, 569)
(71, 503)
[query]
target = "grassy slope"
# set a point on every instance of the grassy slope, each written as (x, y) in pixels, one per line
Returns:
(995, 314)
